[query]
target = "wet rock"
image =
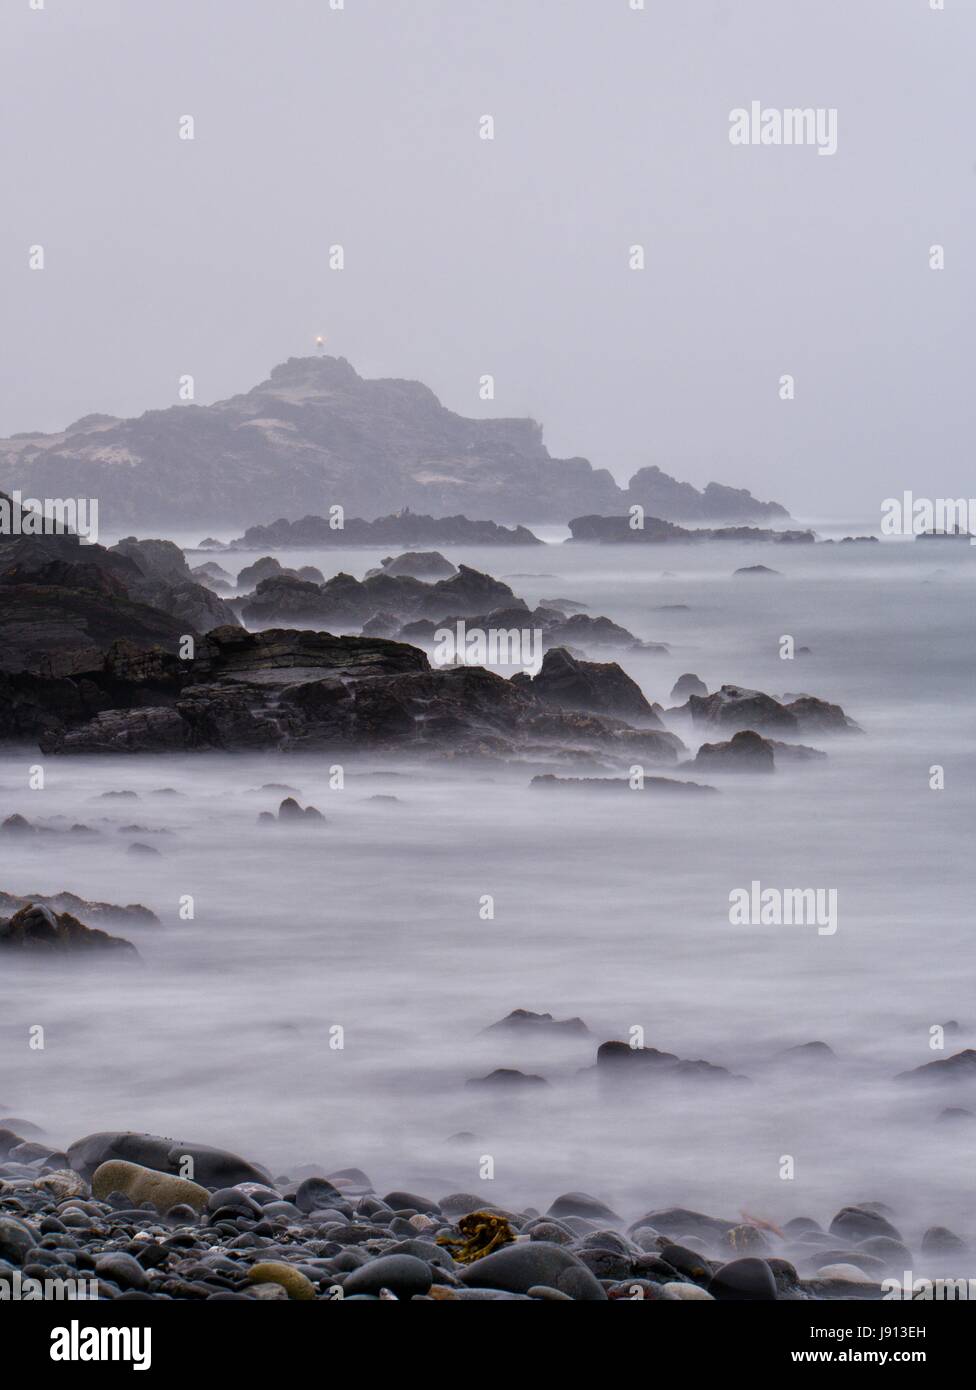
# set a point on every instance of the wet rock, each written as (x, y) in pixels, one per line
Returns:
(317, 1194)
(582, 1204)
(147, 1185)
(410, 1201)
(292, 1281)
(747, 1279)
(619, 1060)
(735, 707)
(507, 1079)
(404, 1275)
(16, 1241)
(518, 1268)
(688, 1292)
(961, 1066)
(419, 564)
(122, 1269)
(679, 1221)
(521, 1021)
(815, 1052)
(211, 1167)
(858, 1223)
(595, 687)
(939, 1240)
(845, 1273)
(40, 931)
(746, 751)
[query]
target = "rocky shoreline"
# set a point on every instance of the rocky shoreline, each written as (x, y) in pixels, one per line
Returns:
(114, 1218)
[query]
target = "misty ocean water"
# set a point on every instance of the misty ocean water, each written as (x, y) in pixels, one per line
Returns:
(610, 907)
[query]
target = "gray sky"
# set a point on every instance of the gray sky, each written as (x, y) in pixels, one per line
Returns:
(464, 257)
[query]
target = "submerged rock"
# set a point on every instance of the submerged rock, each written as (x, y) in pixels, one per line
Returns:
(524, 1021)
(507, 1078)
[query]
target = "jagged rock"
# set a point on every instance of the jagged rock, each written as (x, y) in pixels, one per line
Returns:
(746, 751)
(619, 1059)
(547, 780)
(794, 752)
(598, 687)
(88, 913)
(756, 570)
(381, 625)
(961, 1066)
(407, 528)
(284, 598)
(167, 583)
(419, 564)
(39, 930)
(290, 812)
(507, 1078)
(618, 530)
(524, 1021)
(735, 707)
(686, 685)
(809, 1052)
(153, 730)
(211, 570)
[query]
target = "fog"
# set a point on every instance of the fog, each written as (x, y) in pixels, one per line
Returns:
(315, 127)
(612, 907)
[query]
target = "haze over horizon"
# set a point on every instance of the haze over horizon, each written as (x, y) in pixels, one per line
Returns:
(360, 127)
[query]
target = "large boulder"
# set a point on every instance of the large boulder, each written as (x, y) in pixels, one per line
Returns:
(735, 707)
(746, 751)
(211, 1167)
(598, 687)
(520, 1267)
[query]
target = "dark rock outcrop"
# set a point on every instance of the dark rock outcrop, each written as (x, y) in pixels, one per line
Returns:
(417, 564)
(618, 530)
(597, 687)
(746, 751)
(686, 685)
(618, 1060)
(961, 1066)
(524, 1021)
(39, 931)
(734, 707)
(89, 913)
(291, 689)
